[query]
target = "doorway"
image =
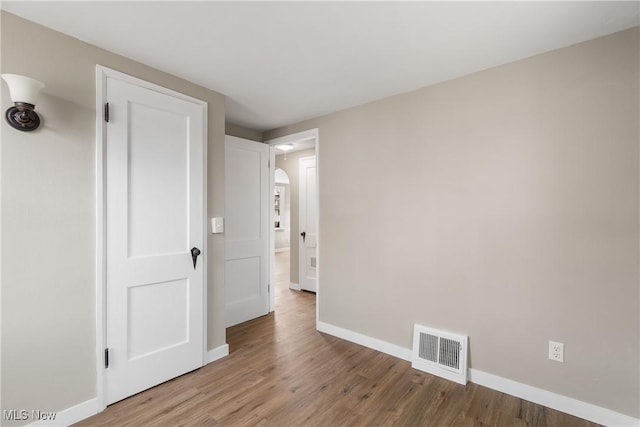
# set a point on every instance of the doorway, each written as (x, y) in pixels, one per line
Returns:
(287, 153)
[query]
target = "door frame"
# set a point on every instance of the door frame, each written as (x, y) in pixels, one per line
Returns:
(293, 138)
(102, 73)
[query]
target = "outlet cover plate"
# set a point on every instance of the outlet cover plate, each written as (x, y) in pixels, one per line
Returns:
(556, 351)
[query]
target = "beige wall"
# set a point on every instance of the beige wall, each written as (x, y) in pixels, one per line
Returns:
(291, 167)
(503, 205)
(241, 132)
(48, 218)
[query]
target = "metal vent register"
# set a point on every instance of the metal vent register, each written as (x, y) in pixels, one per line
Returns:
(440, 353)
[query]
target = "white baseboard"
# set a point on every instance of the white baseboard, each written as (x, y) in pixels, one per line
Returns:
(282, 250)
(216, 353)
(367, 341)
(89, 408)
(546, 398)
(71, 415)
(294, 286)
(552, 400)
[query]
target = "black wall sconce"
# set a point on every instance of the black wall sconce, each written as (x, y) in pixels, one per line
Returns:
(24, 94)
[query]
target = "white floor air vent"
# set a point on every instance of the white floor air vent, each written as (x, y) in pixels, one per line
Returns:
(440, 353)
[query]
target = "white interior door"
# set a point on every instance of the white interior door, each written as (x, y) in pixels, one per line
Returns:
(247, 229)
(154, 217)
(308, 224)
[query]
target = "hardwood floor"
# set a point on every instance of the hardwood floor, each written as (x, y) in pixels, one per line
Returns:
(282, 372)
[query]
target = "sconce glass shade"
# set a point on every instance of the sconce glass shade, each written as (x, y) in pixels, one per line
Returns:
(23, 89)
(24, 93)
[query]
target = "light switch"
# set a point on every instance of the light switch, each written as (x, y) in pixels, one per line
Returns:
(217, 225)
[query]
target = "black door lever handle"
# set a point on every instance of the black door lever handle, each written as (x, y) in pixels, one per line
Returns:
(194, 255)
(304, 235)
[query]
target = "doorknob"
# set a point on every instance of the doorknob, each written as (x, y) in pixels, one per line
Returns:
(194, 255)
(304, 235)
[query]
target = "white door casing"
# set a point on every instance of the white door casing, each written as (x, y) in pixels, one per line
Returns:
(272, 232)
(155, 168)
(308, 224)
(247, 229)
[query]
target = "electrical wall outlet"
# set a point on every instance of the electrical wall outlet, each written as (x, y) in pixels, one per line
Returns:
(556, 351)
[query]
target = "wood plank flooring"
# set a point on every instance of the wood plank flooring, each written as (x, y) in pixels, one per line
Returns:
(282, 372)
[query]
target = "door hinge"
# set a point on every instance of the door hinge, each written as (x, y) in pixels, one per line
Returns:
(106, 112)
(269, 164)
(106, 357)
(269, 287)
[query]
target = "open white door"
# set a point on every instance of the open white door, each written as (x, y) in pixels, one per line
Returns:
(308, 224)
(154, 217)
(247, 229)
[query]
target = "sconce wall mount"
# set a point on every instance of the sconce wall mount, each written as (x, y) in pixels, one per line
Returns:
(22, 117)
(24, 94)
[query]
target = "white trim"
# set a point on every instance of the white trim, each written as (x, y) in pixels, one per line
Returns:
(546, 398)
(552, 400)
(295, 137)
(71, 415)
(102, 73)
(89, 408)
(216, 354)
(272, 232)
(282, 250)
(364, 340)
(295, 286)
(205, 228)
(101, 278)
(317, 149)
(111, 73)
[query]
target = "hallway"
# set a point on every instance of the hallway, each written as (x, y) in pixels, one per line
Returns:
(282, 275)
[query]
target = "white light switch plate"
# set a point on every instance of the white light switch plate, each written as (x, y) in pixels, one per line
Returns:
(217, 225)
